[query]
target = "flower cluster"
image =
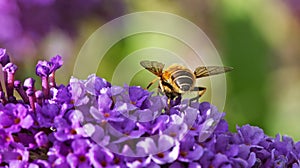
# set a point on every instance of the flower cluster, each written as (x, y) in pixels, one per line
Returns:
(91, 123)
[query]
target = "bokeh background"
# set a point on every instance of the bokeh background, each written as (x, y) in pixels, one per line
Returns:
(260, 39)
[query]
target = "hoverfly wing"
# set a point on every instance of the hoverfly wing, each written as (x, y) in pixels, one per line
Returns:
(210, 70)
(153, 66)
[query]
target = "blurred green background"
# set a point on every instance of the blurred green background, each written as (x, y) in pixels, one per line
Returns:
(260, 39)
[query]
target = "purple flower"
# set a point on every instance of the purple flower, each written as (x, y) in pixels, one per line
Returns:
(43, 68)
(10, 68)
(249, 135)
(60, 150)
(39, 164)
(155, 126)
(104, 103)
(5, 139)
(177, 108)
(220, 160)
(71, 128)
(9, 75)
(213, 117)
(194, 165)
(164, 150)
(41, 139)
(100, 157)
(13, 117)
(138, 96)
(61, 94)
(29, 83)
(237, 154)
(100, 116)
(177, 165)
(281, 161)
(97, 134)
(139, 162)
(15, 156)
(4, 57)
(47, 114)
(283, 147)
(79, 156)
(55, 63)
(95, 85)
(46, 70)
(78, 92)
(176, 128)
(127, 129)
(189, 150)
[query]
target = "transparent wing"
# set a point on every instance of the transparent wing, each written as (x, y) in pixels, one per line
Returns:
(210, 70)
(153, 66)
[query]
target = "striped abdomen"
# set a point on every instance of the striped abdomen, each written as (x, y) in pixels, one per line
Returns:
(180, 76)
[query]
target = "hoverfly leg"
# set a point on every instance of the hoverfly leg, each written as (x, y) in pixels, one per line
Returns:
(200, 90)
(159, 91)
(169, 104)
(172, 101)
(151, 83)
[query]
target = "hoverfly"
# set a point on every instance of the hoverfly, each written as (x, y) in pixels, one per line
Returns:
(177, 80)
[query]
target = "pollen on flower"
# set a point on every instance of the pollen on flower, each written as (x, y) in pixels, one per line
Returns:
(106, 115)
(17, 120)
(116, 160)
(7, 139)
(173, 134)
(160, 155)
(19, 157)
(192, 128)
(104, 163)
(183, 153)
(82, 158)
(73, 132)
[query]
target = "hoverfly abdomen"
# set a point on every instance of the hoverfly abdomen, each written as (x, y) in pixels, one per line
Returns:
(182, 77)
(184, 80)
